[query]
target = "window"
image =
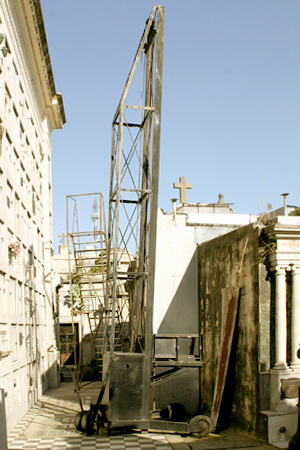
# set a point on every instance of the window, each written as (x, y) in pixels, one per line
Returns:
(8, 144)
(28, 183)
(1, 241)
(33, 200)
(22, 134)
(15, 67)
(23, 214)
(1, 183)
(16, 159)
(41, 183)
(9, 196)
(15, 111)
(22, 174)
(17, 211)
(29, 258)
(1, 135)
(7, 94)
(10, 240)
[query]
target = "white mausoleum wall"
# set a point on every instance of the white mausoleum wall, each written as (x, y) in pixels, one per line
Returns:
(176, 264)
(28, 115)
(176, 272)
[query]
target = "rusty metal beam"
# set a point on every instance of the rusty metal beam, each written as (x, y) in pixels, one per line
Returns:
(229, 322)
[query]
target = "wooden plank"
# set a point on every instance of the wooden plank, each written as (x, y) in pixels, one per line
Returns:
(231, 306)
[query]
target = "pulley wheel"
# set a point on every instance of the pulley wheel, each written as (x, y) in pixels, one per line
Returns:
(199, 426)
(77, 421)
(86, 424)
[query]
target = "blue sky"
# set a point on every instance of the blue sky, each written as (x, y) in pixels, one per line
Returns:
(230, 106)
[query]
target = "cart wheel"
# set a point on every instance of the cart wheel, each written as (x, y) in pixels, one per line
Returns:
(86, 424)
(77, 421)
(199, 426)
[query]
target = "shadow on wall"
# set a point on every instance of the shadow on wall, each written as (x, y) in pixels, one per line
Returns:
(182, 313)
(181, 317)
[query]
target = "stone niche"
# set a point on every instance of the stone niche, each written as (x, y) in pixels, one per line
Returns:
(289, 387)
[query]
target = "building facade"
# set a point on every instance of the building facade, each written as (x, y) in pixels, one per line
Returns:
(179, 233)
(205, 253)
(30, 109)
(261, 263)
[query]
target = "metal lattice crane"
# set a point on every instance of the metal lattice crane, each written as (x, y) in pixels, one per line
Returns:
(124, 398)
(132, 230)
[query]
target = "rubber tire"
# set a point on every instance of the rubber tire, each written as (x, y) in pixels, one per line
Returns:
(77, 421)
(86, 425)
(199, 426)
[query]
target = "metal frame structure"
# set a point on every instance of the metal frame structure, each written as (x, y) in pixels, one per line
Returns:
(129, 360)
(88, 250)
(133, 202)
(134, 189)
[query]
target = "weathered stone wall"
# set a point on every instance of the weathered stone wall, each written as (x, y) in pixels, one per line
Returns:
(225, 263)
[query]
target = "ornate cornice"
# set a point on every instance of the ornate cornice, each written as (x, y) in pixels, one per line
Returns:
(284, 232)
(43, 44)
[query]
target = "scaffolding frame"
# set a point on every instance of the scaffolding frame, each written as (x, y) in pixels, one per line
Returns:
(133, 203)
(87, 278)
(129, 359)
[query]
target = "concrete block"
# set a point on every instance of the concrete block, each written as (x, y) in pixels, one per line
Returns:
(281, 427)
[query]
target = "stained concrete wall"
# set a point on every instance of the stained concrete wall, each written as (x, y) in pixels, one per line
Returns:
(176, 302)
(228, 262)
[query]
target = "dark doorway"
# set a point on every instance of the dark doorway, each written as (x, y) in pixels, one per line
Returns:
(68, 343)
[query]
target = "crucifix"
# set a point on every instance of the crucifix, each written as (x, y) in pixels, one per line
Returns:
(63, 236)
(183, 186)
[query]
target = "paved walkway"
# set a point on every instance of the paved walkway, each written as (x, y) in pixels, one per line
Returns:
(231, 438)
(49, 425)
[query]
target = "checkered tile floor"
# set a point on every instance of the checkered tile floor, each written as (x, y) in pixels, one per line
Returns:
(128, 442)
(49, 425)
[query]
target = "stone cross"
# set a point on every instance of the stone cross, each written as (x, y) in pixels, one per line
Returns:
(63, 236)
(183, 186)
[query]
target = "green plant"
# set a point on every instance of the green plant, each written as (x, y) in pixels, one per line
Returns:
(75, 301)
(267, 247)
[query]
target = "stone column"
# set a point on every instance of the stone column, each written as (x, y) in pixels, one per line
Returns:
(295, 329)
(281, 320)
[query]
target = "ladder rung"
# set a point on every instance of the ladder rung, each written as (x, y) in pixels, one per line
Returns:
(87, 243)
(90, 277)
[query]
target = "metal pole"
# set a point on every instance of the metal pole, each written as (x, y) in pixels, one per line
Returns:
(110, 237)
(116, 228)
(153, 206)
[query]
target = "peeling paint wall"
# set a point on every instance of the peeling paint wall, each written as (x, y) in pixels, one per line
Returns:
(228, 262)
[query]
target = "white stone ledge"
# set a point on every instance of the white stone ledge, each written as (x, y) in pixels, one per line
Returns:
(220, 219)
(286, 220)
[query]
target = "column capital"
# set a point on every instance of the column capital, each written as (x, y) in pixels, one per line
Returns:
(280, 270)
(295, 269)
